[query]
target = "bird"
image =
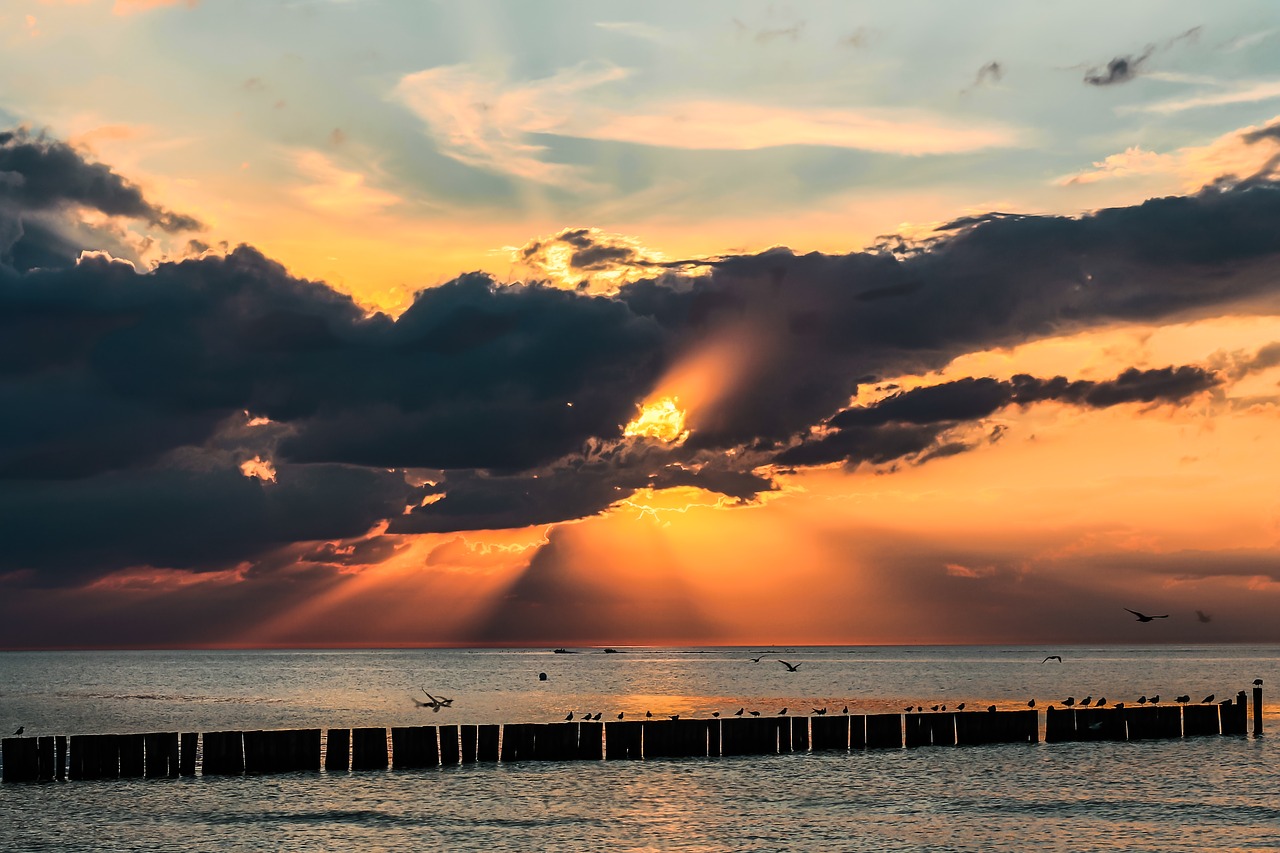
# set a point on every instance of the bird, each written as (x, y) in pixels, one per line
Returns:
(1142, 617)
(1086, 701)
(755, 713)
(991, 707)
(648, 715)
(1100, 703)
(782, 713)
(1257, 682)
(715, 713)
(1154, 700)
(960, 707)
(757, 660)
(933, 707)
(1206, 700)
(1058, 658)
(542, 676)
(1142, 700)
(1031, 703)
(1225, 702)
(1069, 701)
(907, 709)
(944, 707)
(675, 716)
(846, 709)
(596, 718)
(568, 717)
(820, 711)
(1183, 699)
(738, 713)
(791, 667)
(20, 730)
(620, 713)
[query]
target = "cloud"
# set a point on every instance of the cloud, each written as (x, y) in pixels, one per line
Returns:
(1122, 69)
(1239, 93)
(1129, 163)
(132, 7)
(594, 259)
(992, 72)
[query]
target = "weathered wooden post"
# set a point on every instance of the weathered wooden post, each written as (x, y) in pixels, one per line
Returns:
(829, 733)
(45, 771)
(942, 728)
(188, 746)
(255, 753)
(21, 759)
(623, 740)
(1257, 709)
(1199, 720)
(161, 754)
(591, 741)
(414, 747)
(337, 754)
(223, 754)
(800, 733)
(60, 757)
(884, 731)
(858, 732)
(468, 734)
(132, 759)
(450, 753)
(917, 733)
(369, 749)
(1235, 716)
(517, 742)
(487, 743)
(1059, 725)
(657, 739)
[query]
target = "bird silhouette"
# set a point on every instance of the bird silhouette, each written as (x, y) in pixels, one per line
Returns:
(1183, 699)
(1206, 700)
(715, 713)
(1086, 701)
(933, 707)
(648, 715)
(1154, 700)
(620, 713)
(991, 707)
(755, 713)
(568, 717)
(1142, 617)
(1069, 701)
(820, 711)
(907, 709)
(596, 718)
(20, 730)
(757, 660)
(960, 707)
(791, 667)
(944, 707)
(675, 716)
(846, 709)
(1257, 682)
(1031, 703)
(782, 713)
(738, 713)
(1100, 703)
(1058, 658)
(1142, 700)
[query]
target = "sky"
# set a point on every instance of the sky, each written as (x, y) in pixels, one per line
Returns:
(374, 323)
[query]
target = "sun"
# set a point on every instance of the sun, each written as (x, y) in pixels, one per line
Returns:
(662, 419)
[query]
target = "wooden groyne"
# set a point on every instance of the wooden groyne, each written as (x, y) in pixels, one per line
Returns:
(237, 753)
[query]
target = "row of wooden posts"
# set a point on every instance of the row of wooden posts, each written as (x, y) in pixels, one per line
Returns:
(170, 754)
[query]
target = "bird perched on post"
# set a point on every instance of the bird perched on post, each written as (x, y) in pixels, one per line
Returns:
(568, 717)
(1206, 700)
(1069, 701)
(738, 713)
(20, 730)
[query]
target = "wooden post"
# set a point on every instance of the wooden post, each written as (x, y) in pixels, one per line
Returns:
(369, 749)
(161, 750)
(732, 736)
(188, 746)
(623, 740)
(1059, 725)
(45, 759)
(223, 754)
(311, 750)
(487, 743)
(1141, 722)
(132, 756)
(785, 726)
(337, 754)
(800, 733)
(884, 731)
(942, 729)
(657, 739)
(858, 732)
(1200, 720)
(917, 733)
(21, 759)
(1235, 716)
(1257, 710)
(829, 733)
(517, 742)
(450, 754)
(255, 753)
(60, 757)
(591, 741)
(108, 753)
(414, 747)
(468, 734)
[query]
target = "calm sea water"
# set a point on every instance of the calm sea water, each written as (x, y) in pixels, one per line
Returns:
(1213, 793)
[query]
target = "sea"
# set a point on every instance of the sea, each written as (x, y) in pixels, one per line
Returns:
(1213, 793)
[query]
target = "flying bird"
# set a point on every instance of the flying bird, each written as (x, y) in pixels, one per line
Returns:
(757, 660)
(791, 667)
(1142, 617)
(1058, 658)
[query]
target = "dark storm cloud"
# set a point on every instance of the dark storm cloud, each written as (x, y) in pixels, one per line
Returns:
(122, 391)
(1271, 131)
(42, 174)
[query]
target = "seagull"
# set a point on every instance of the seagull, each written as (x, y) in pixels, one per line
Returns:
(1225, 702)
(1031, 704)
(1058, 658)
(1142, 617)
(1069, 701)
(1142, 700)
(1100, 703)
(648, 715)
(596, 718)
(738, 713)
(1183, 699)
(1206, 700)
(1154, 700)
(757, 660)
(715, 713)
(782, 713)
(791, 667)
(620, 713)
(820, 711)
(1257, 682)
(933, 707)
(568, 717)
(907, 709)
(960, 707)
(846, 709)
(991, 708)
(755, 713)
(1085, 702)
(20, 730)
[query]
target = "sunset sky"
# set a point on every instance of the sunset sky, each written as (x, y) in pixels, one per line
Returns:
(359, 322)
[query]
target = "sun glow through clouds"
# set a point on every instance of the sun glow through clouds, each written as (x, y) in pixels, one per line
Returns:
(662, 419)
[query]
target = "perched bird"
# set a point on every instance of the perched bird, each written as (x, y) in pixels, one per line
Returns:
(1099, 703)
(568, 717)
(846, 709)
(820, 711)
(933, 707)
(1058, 658)
(1086, 700)
(991, 707)
(1206, 700)
(960, 707)
(620, 713)
(1118, 705)
(542, 676)
(675, 716)
(1154, 700)
(907, 709)
(738, 713)
(715, 713)
(20, 730)
(755, 713)
(1142, 700)
(1225, 702)
(1031, 704)
(919, 709)
(1257, 682)
(1183, 699)
(944, 707)
(1142, 617)
(1069, 701)
(596, 718)
(782, 713)
(648, 715)
(791, 667)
